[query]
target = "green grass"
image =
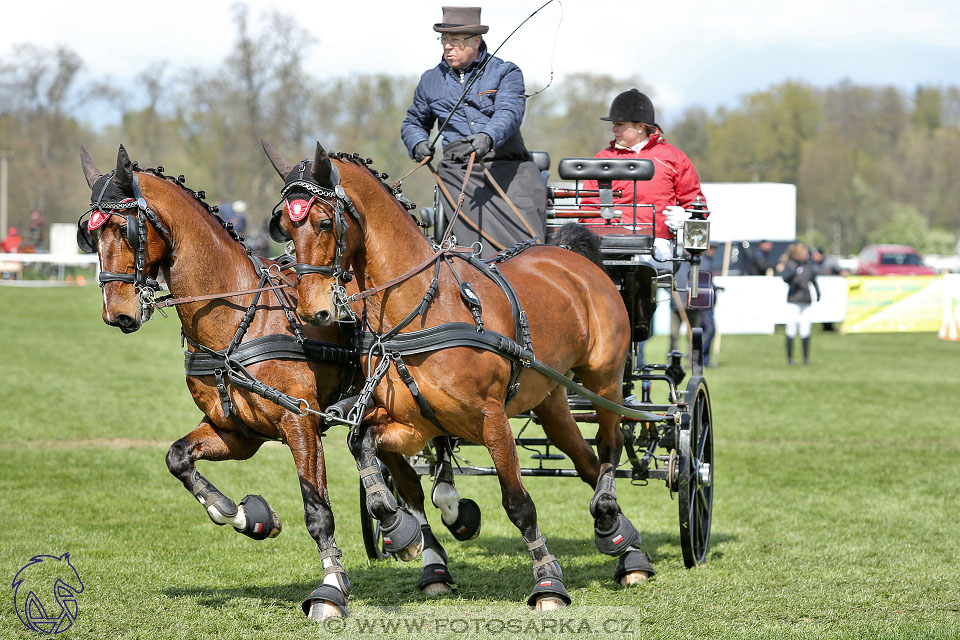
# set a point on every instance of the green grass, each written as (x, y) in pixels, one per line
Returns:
(835, 512)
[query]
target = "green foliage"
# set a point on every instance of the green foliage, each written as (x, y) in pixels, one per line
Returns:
(856, 153)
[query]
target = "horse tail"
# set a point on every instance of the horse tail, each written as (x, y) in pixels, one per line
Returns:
(579, 239)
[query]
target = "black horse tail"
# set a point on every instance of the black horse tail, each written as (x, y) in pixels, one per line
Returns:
(578, 239)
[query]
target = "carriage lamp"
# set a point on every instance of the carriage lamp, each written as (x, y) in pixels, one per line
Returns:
(696, 240)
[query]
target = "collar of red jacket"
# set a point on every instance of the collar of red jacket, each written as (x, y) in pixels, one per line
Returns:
(654, 139)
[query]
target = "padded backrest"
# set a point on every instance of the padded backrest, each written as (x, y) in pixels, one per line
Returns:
(605, 169)
(541, 159)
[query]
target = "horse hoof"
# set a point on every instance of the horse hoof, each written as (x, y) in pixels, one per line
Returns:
(632, 578)
(437, 589)
(413, 551)
(322, 610)
(548, 604)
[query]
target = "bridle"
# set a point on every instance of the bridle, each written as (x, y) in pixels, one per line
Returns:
(300, 183)
(145, 285)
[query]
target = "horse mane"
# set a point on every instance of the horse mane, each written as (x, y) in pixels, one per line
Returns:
(199, 196)
(354, 158)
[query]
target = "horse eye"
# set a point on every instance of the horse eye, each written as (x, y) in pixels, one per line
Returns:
(325, 225)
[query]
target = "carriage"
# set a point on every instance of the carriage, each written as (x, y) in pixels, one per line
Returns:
(677, 446)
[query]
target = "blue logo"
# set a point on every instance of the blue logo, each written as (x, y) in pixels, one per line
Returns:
(33, 586)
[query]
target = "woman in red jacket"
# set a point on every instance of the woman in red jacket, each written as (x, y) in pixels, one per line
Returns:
(675, 184)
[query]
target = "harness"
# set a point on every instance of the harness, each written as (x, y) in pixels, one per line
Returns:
(336, 198)
(146, 286)
(228, 365)
(392, 345)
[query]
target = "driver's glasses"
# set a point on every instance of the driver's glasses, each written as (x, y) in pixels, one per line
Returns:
(458, 42)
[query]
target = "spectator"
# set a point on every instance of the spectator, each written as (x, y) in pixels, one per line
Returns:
(760, 262)
(34, 235)
(707, 322)
(799, 274)
(239, 219)
(11, 244)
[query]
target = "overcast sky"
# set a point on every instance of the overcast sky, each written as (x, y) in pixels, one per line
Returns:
(692, 52)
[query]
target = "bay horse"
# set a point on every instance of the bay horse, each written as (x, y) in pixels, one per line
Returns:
(343, 221)
(173, 232)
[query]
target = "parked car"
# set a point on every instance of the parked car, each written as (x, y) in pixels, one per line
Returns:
(891, 260)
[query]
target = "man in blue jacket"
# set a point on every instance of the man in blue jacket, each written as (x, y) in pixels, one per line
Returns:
(486, 122)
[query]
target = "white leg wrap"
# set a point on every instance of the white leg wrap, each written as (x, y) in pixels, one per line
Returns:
(239, 521)
(446, 498)
(330, 579)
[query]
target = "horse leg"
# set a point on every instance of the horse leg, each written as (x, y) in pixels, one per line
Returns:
(548, 591)
(401, 531)
(253, 517)
(460, 515)
(329, 600)
(614, 534)
(436, 578)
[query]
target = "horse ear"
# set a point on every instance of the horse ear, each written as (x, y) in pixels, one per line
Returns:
(90, 171)
(322, 169)
(278, 161)
(124, 175)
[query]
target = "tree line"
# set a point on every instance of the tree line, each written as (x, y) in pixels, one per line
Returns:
(871, 164)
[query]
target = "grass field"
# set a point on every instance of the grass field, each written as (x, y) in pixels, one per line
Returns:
(836, 506)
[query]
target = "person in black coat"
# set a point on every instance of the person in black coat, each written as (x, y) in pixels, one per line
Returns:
(799, 273)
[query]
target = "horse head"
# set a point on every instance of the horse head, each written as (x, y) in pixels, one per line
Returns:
(120, 232)
(326, 231)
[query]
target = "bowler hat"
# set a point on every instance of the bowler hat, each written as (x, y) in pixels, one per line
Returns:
(631, 106)
(461, 20)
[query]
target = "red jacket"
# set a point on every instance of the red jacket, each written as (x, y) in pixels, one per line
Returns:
(674, 182)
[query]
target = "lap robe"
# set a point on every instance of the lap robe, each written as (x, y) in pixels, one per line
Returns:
(520, 180)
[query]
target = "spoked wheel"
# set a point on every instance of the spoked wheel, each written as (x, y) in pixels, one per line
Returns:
(695, 475)
(370, 526)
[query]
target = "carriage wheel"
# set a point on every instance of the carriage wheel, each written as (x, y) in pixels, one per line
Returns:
(370, 526)
(695, 478)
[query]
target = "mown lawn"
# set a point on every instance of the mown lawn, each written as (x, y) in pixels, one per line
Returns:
(835, 515)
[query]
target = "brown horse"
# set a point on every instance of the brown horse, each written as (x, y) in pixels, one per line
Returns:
(174, 232)
(577, 323)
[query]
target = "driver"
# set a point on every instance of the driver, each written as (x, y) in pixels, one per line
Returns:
(486, 122)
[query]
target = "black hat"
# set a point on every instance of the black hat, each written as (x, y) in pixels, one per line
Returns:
(631, 106)
(461, 20)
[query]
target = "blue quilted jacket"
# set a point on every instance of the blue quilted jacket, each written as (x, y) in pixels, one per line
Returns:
(494, 106)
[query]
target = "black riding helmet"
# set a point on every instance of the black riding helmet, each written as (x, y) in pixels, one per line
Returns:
(632, 106)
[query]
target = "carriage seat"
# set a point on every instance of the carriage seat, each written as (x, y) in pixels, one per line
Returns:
(541, 159)
(626, 244)
(605, 169)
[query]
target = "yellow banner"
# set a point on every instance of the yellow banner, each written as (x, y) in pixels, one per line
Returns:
(891, 304)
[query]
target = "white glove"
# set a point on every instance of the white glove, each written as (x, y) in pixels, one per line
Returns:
(675, 216)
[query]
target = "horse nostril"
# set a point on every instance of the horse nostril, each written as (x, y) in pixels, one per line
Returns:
(124, 321)
(323, 317)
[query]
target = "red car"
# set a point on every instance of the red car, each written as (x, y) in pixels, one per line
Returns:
(891, 260)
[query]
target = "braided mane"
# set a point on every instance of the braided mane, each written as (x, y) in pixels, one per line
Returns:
(366, 163)
(199, 196)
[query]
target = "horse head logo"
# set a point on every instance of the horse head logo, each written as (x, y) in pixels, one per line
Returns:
(40, 578)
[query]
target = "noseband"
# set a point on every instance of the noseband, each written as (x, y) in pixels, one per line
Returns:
(337, 199)
(145, 286)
